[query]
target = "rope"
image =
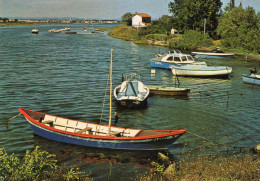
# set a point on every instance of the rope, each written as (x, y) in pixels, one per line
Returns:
(206, 139)
(225, 146)
(13, 117)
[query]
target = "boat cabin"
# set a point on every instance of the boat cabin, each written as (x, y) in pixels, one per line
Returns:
(177, 58)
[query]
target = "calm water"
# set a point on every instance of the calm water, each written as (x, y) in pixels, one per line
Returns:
(66, 75)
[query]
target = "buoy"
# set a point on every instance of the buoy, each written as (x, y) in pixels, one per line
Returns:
(153, 72)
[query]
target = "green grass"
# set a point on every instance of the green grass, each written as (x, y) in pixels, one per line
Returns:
(124, 32)
(211, 168)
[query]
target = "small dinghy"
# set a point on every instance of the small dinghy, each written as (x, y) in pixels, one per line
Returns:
(253, 78)
(35, 31)
(171, 91)
(201, 70)
(217, 53)
(132, 92)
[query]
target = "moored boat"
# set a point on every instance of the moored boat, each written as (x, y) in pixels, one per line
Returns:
(132, 92)
(172, 58)
(200, 70)
(171, 91)
(70, 32)
(252, 79)
(35, 31)
(54, 31)
(212, 55)
(95, 135)
(216, 53)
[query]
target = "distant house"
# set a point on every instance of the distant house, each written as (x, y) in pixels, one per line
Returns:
(141, 20)
(173, 31)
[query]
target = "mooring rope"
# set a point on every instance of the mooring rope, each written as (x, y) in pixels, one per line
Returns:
(13, 117)
(206, 139)
(223, 145)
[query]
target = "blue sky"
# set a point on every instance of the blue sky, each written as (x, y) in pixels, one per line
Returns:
(89, 9)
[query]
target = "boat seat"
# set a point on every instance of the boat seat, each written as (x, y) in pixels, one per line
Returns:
(85, 129)
(47, 122)
(50, 122)
(115, 133)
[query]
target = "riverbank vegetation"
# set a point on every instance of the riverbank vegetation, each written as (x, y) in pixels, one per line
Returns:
(41, 165)
(36, 165)
(200, 25)
(208, 167)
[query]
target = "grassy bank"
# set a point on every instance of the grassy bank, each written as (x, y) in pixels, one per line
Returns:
(192, 40)
(209, 167)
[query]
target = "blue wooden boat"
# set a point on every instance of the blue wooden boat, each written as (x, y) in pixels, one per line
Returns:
(171, 58)
(132, 92)
(96, 135)
(252, 79)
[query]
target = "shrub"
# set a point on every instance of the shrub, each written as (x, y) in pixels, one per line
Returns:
(35, 165)
(158, 37)
(192, 39)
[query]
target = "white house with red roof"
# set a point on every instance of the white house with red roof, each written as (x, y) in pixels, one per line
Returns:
(141, 20)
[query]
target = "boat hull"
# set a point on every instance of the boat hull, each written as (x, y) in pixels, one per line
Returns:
(251, 80)
(139, 139)
(212, 55)
(151, 144)
(132, 103)
(170, 91)
(163, 65)
(197, 71)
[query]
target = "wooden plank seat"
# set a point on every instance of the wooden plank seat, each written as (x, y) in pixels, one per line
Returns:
(47, 122)
(115, 133)
(83, 130)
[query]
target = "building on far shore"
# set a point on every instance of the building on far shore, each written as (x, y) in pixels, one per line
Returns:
(140, 20)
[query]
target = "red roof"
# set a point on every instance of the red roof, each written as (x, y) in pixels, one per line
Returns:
(144, 15)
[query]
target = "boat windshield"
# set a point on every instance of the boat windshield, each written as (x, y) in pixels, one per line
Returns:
(170, 58)
(190, 58)
(177, 59)
(184, 58)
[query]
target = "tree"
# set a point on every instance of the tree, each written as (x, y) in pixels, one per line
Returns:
(166, 23)
(190, 14)
(230, 6)
(127, 18)
(240, 29)
(5, 20)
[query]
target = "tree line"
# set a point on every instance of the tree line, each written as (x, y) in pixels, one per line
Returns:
(238, 28)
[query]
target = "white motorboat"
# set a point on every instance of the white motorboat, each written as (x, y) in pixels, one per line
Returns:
(132, 92)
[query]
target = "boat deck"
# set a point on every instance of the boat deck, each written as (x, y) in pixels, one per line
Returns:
(80, 127)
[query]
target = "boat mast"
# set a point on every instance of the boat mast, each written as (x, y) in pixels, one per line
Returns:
(110, 96)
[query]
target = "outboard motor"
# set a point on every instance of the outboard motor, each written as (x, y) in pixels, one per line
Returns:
(253, 71)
